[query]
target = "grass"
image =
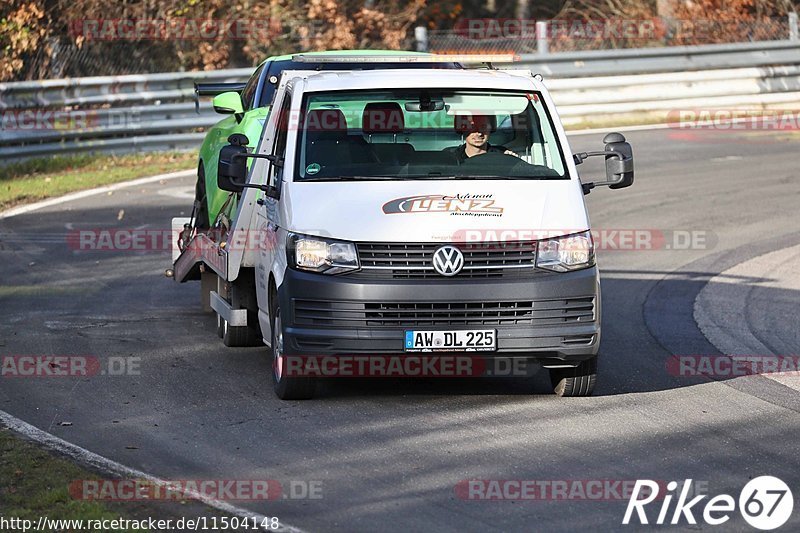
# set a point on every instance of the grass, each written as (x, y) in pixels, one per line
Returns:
(37, 179)
(35, 483)
(619, 121)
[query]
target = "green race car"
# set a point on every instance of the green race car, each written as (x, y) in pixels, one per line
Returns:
(248, 105)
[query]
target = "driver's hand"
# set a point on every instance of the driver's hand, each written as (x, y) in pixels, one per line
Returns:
(509, 152)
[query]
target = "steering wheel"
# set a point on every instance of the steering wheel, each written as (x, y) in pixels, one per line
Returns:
(504, 164)
(493, 158)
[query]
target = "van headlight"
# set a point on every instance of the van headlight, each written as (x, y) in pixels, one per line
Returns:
(316, 254)
(570, 252)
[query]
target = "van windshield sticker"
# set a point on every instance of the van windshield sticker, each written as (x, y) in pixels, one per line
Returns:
(313, 168)
(479, 205)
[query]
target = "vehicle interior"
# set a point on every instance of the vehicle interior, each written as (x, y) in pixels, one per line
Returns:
(405, 134)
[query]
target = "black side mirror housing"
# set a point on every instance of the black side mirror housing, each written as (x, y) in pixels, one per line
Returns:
(619, 163)
(619, 166)
(232, 168)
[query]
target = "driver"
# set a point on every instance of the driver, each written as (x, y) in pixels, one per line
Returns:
(476, 129)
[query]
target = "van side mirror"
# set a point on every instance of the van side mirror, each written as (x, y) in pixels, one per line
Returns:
(619, 163)
(619, 166)
(232, 167)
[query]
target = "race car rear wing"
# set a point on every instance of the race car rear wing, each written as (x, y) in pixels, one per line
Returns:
(213, 89)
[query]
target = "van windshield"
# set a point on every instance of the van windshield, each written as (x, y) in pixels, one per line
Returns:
(427, 134)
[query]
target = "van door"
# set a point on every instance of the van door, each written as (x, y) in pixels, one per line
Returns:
(267, 219)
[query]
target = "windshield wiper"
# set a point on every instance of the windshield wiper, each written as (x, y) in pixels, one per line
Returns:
(511, 177)
(360, 178)
(348, 178)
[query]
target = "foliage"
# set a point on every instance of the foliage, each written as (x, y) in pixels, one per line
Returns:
(283, 26)
(22, 27)
(38, 38)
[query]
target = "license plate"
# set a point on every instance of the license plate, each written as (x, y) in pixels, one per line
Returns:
(479, 340)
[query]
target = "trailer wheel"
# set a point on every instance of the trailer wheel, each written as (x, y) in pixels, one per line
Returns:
(577, 381)
(286, 387)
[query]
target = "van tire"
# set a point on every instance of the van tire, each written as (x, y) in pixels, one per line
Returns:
(286, 388)
(576, 381)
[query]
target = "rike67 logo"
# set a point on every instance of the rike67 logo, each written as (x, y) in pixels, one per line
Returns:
(765, 503)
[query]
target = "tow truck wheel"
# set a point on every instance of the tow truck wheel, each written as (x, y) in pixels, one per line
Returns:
(235, 336)
(220, 326)
(577, 381)
(286, 387)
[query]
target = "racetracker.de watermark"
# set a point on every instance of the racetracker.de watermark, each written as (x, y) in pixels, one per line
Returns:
(67, 366)
(517, 28)
(188, 489)
(733, 119)
(407, 366)
(174, 29)
(161, 240)
(43, 119)
(659, 29)
(624, 239)
(550, 489)
(732, 366)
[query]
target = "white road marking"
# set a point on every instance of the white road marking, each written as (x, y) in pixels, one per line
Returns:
(720, 307)
(82, 455)
(101, 463)
(182, 193)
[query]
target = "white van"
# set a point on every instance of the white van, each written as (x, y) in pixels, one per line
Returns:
(388, 226)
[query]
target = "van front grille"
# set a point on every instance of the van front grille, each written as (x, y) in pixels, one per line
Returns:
(415, 261)
(415, 314)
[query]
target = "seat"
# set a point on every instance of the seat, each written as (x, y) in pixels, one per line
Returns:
(384, 119)
(328, 143)
(326, 134)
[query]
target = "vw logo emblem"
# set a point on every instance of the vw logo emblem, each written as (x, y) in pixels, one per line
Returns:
(448, 260)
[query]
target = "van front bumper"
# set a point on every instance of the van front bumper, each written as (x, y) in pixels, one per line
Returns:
(552, 317)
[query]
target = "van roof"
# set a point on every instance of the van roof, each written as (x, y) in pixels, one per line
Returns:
(384, 53)
(414, 78)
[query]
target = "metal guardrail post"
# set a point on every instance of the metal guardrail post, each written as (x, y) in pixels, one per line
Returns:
(542, 45)
(794, 34)
(421, 37)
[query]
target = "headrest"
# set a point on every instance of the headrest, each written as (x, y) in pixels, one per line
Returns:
(467, 124)
(326, 121)
(382, 117)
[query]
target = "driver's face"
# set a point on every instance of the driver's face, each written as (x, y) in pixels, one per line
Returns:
(479, 134)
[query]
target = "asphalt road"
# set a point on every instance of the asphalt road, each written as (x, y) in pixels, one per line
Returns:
(389, 453)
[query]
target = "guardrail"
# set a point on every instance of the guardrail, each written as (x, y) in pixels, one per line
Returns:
(123, 114)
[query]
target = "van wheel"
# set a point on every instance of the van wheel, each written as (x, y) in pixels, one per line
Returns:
(286, 387)
(577, 381)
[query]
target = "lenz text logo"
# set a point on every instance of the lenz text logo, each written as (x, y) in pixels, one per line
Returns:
(765, 503)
